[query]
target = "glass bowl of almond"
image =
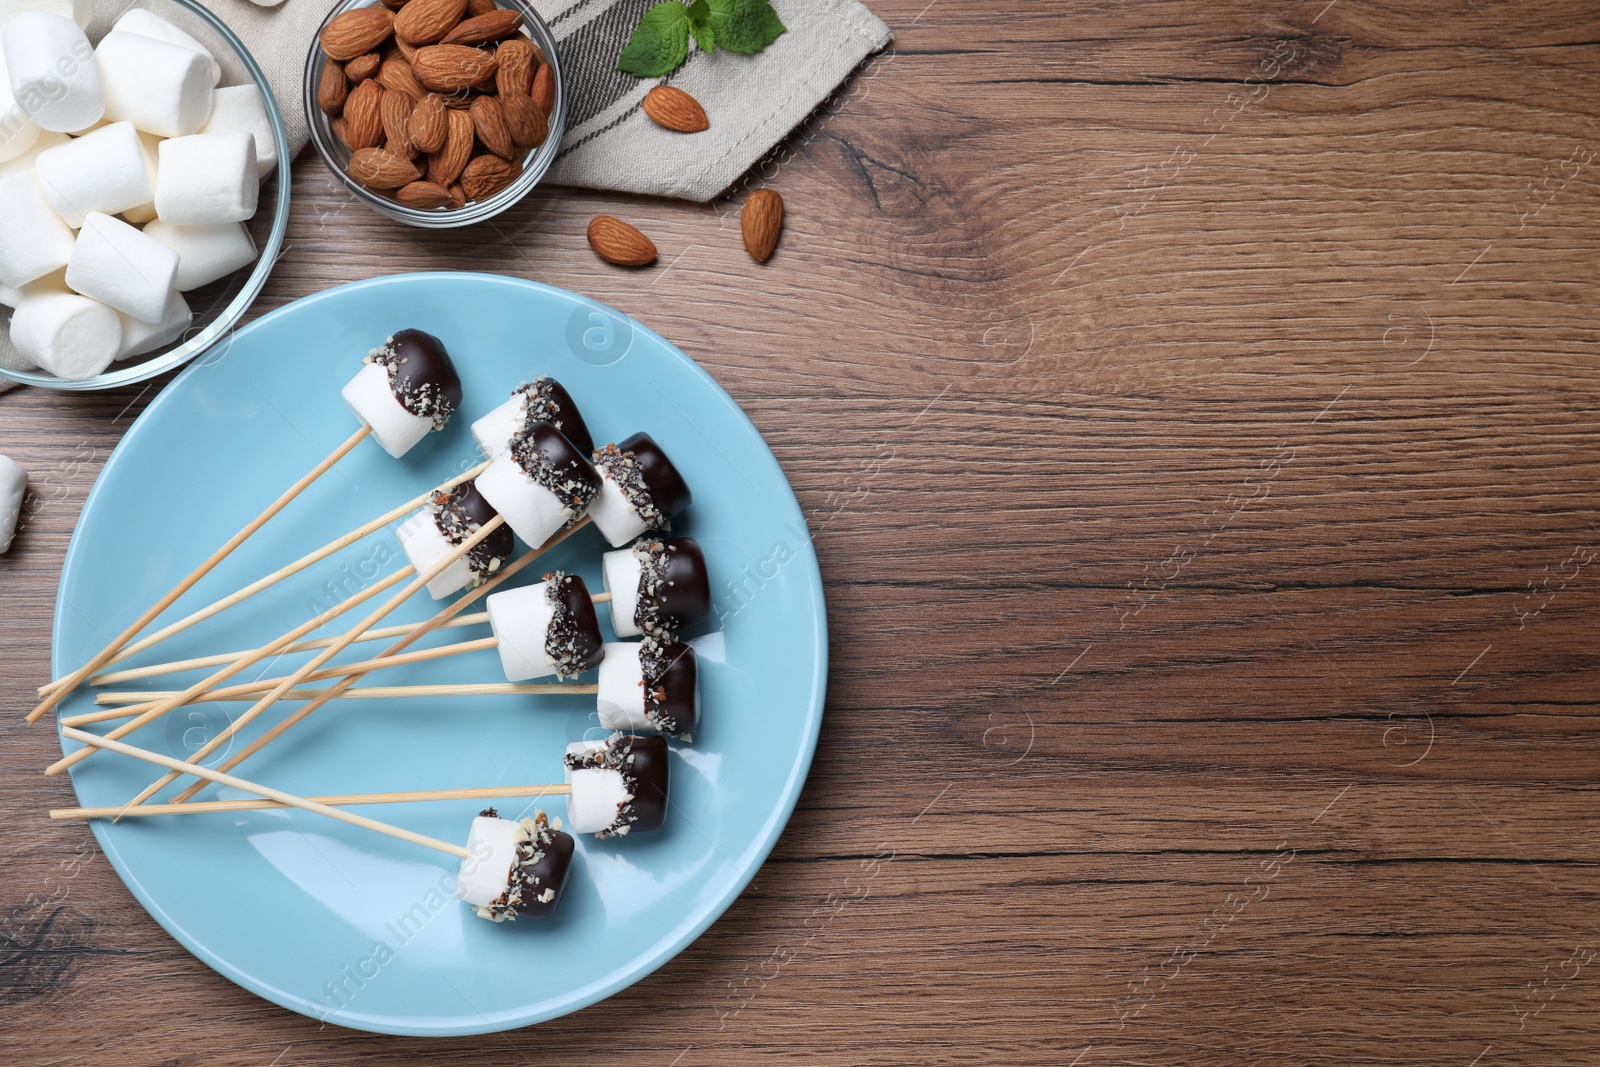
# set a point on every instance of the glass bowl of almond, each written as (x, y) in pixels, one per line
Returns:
(436, 113)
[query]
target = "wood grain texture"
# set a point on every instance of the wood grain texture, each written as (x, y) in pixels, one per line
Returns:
(1195, 409)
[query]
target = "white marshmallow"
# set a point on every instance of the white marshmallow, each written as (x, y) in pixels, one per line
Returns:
(486, 872)
(122, 268)
(13, 489)
(425, 546)
(533, 512)
(621, 570)
(79, 11)
(597, 793)
(52, 71)
(615, 518)
(147, 23)
(149, 146)
(621, 684)
(68, 335)
(521, 619)
(205, 253)
(42, 140)
(18, 133)
(374, 403)
(207, 178)
(493, 431)
(141, 337)
(33, 239)
(102, 171)
(160, 87)
(238, 108)
(10, 297)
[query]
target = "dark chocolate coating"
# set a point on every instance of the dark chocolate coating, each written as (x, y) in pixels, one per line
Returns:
(684, 592)
(670, 681)
(549, 401)
(421, 368)
(574, 640)
(643, 761)
(562, 456)
(461, 509)
(668, 491)
(551, 870)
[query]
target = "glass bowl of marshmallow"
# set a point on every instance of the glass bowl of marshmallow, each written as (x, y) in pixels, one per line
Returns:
(144, 191)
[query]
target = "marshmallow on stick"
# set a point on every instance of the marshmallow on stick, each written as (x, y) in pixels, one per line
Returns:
(542, 483)
(640, 489)
(619, 785)
(544, 629)
(407, 387)
(449, 519)
(657, 586)
(541, 400)
(649, 685)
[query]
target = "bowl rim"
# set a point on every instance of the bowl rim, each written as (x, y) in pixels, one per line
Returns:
(536, 162)
(266, 256)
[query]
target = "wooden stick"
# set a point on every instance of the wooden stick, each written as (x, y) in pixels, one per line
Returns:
(178, 666)
(386, 692)
(200, 807)
(483, 532)
(164, 706)
(399, 646)
(101, 658)
(255, 587)
(287, 799)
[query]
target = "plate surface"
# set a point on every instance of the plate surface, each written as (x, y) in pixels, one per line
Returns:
(360, 929)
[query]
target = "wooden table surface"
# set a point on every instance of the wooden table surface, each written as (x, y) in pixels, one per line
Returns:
(1195, 408)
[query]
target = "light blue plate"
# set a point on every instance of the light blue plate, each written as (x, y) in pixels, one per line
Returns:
(353, 927)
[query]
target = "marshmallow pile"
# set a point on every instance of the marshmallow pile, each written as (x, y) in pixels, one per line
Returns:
(126, 174)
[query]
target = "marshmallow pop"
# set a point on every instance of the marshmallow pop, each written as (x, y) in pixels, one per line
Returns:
(438, 529)
(542, 483)
(619, 785)
(541, 400)
(514, 868)
(407, 387)
(652, 684)
(544, 629)
(640, 489)
(657, 586)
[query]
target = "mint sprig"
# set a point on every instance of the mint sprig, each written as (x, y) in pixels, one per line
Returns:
(660, 44)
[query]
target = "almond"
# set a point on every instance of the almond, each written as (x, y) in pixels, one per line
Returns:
(405, 50)
(377, 168)
(544, 89)
(341, 129)
(616, 242)
(424, 196)
(425, 21)
(332, 89)
(458, 198)
(675, 109)
(445, 165)
(487, 175)
(393, 5)
(361, 68)
(450, 68)
(524, 121)
(429, 124)
(363, 115)
(479, 7)
(396, 74)
(514, 76)
(396, 112)
(357, 32)
(485, 28)
(760, 221)
(490, 123)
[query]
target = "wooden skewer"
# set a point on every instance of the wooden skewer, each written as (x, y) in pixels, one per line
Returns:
(265, 583)
(286, 799)
(178, 666)
(386, 692)
(101, 658)
(395, 649)
(200, 807)
(164, 706)
(328, 653)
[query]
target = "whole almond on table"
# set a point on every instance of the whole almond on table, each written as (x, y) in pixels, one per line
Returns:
(446, 165)
(396, 113)
(332, 88)
(357, 32)
(525, 121)
(425, 196)
(490, 124)
(760, 222)
(425, 21)
(451, 68)
(544, 89)
(486, 175)
(429, 123)
(514, 73)
(363, 115)
(396, 74)
(675, 109)
(481, 29)
(362, 67)
(616, 242)
(379, 169)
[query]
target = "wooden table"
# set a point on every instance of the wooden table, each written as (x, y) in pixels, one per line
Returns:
(1195, 406)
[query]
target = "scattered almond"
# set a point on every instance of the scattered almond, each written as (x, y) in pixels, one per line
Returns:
(524, 121)
(429, 124)
(426, 21)
(357, 32)
(544, 89)
(514, 73)
(450, 68)
(361, 68)
(332, 89)
(425, 196)
(377, 168)
(486, 175)
(481, 29)
(446, 165)
(761, 221)
(396, 113)
(675, 109)
(363, 115)
(396, 74)
(490, 123)
(616, 242)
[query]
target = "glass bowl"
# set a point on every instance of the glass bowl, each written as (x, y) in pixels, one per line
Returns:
(534, 163)
(218, 306)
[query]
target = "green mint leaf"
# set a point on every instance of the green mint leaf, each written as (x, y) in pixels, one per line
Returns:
(700, 26)
(660, 44)
(744, 25)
